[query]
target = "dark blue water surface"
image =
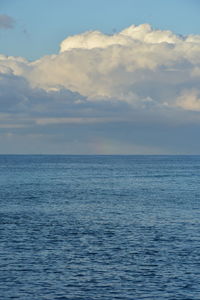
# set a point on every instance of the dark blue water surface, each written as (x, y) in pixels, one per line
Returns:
(100, 227)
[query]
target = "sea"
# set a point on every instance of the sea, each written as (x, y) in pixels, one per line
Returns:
(99, 227)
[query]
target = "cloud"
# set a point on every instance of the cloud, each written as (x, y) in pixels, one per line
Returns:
(128, 37)
(6, 22)
(137, 83)
(137, 65)
(140, 66)
(189, 100)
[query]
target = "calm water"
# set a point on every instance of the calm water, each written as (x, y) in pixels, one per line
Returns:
(100, 227)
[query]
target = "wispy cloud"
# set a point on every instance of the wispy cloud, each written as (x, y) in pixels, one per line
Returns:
(6, 22)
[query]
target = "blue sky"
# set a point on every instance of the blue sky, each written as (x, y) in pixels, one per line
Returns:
(42, 24)
(100, 77)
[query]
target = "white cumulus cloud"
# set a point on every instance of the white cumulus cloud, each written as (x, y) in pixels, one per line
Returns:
(133, 65)
(143, 68)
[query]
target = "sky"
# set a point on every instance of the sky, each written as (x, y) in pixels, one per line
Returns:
(99, 77)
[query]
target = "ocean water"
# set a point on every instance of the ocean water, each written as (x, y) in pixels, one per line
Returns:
(99, 227)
